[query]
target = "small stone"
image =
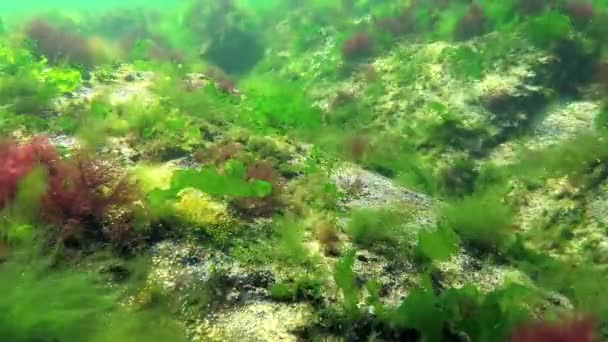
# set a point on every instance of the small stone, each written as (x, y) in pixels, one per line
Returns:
(130, 78)
(362, 258)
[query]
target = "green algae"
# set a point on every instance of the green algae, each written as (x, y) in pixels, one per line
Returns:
(427, 108)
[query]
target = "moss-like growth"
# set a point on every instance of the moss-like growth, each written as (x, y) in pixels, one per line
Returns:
(573, 158)
(304, 288)
(393, 157)
(25, 94)
(369, 227)
(280, 106)
(344, 277)
(482, 222)
(574, 65)
(548, 28)
(600, 121)
(232, 183)
(40, 304)
(439, 245)
(198, 210)
(458, 179)
(231, 37)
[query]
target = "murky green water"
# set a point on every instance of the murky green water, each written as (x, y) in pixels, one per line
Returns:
(324, 170)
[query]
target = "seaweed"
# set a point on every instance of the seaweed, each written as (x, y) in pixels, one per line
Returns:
(247, 151)
(58, 45)
(278, 105)
(78, 193)
(345, 280)
(581, 329)
(548, 28)
(482, 221)
(232, 183)
(46, 305)
(357, 47)
(369, 227)
(458, 179)
(437, 245)
(24, 93)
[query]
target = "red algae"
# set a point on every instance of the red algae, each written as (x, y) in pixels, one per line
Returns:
(576, 330)
(358, 46)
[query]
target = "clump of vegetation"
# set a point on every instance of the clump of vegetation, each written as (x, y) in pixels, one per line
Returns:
(18, 161)
(326, 232)
(393, 157)
(304, 288)
(483, 222)
(44, 303)
(467, 62)
(548, 28)
(358, 46)
(61, 305)
(581, 12)
(466, 311)
(578, 329)
(600, 120)
(458, 179)
(279, 106)
(472, 24)
(437, 245)
(574, 158)
(369, 227)
(23, 93)
(345, 280)
(574, 66)
(231, 36)
(200, 213)
(256, 205)
(79, 193)
(531, 7)
(60, 46)
(289, 249)
(208, 180)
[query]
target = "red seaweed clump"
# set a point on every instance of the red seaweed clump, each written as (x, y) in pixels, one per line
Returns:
(59, 46)
(580, 12)
(531, 7)
(398, 25)
(18, 160)
(359, 45)
(222, 80)
(601, 74)
(79, 190)
(260, 206)
(472, 24)
(357, 147)
(576, 330)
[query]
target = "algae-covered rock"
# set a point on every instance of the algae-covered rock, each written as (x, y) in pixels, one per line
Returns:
(150, 177)
(200, 212)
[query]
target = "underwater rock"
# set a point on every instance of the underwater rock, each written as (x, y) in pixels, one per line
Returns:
(377, 191)
(257, 322)
(515, 111)
(238, 294)
(199, 209)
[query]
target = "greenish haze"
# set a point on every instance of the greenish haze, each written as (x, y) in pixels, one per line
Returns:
(372, 162)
